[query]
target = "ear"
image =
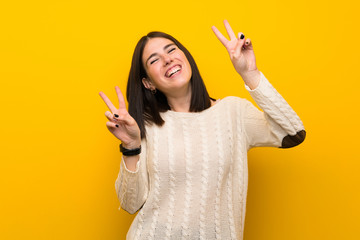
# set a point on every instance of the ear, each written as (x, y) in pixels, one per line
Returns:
(147, 84)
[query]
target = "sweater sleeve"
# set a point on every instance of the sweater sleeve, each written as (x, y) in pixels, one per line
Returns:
(278, 125)
(132, 187)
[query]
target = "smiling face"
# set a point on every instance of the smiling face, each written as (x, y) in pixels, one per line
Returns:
(166, 66)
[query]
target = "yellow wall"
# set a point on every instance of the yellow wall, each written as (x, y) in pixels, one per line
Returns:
(59, 162)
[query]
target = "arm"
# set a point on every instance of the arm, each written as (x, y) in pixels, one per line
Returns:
(278, 125)
(132, 185)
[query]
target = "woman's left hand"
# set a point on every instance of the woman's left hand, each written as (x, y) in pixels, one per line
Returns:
(240, 50)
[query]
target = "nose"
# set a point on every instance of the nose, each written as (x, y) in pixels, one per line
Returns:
(167, 59)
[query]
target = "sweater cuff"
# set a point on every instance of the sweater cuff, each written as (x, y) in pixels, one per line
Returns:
(127, 170)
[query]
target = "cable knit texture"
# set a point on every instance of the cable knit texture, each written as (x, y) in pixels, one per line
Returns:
(192, 177)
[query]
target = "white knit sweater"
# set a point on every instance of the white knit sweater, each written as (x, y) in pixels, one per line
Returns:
(192, 177)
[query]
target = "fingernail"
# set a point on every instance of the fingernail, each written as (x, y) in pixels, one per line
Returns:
(242, 36)
(116, 115)
(116, 125)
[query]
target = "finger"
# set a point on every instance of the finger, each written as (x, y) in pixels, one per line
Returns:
(229, 30)
(248, 44)
(120, 97)
(111, 126)
(238, 48)
(109, 116)
(240, 43)
(107, 101)
(240, 34)
(125, 119)
(120, 118)
(218, 34)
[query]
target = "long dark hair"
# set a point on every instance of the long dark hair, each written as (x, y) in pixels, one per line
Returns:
(144, 106)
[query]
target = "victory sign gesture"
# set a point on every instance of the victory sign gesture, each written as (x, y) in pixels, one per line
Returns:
(240, 50)
(121, 124)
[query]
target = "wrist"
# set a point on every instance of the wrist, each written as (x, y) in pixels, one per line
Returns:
(251, 78)
(131, 145)
(130, 151)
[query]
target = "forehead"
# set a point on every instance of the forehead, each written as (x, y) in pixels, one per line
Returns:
(155, 45)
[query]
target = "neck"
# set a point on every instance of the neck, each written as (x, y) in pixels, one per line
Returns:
(180, 103)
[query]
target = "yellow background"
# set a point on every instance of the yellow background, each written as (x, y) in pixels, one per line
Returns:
(59, 162)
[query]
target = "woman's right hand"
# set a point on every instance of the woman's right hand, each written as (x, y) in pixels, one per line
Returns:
(122, 126)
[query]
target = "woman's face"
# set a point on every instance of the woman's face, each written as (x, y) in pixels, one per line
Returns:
(166, 66)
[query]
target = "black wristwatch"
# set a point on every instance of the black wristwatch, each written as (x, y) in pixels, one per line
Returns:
(130, 152)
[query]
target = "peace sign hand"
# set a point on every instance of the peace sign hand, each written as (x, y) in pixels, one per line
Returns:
(240, 50)
(121, 124)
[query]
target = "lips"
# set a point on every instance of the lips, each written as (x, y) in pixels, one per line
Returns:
(171, 71)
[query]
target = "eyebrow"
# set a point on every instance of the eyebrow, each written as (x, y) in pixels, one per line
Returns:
(154, 54)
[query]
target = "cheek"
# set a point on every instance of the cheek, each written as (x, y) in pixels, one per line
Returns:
(151, 69)
(189, 69)
(188, 65)
(154, 73)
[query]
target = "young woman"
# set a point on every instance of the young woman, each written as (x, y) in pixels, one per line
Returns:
(184, 163)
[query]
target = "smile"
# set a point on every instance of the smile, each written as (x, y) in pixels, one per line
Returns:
(172, 71)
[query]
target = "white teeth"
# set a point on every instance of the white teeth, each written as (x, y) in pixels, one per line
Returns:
(173, 70)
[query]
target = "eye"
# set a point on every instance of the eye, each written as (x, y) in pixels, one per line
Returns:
(153, 61)
(171, 50)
